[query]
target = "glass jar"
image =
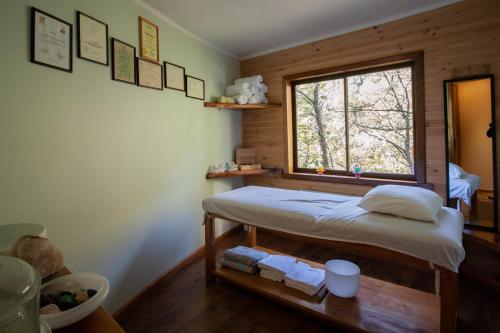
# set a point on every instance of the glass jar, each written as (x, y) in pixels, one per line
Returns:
(19, 296)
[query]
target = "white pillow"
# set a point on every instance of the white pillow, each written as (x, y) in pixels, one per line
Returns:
(455, 171)
(407, 201)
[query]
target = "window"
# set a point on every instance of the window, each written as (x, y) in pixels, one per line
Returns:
(364, 118)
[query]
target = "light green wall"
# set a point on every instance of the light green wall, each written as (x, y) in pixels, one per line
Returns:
(115, 172)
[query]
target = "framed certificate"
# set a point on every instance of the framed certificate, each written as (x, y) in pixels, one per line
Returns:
(122, 61)
(195, 88)
(174, 76)
(149, 74)
(148, 40)
(51, 41)
(92, 43)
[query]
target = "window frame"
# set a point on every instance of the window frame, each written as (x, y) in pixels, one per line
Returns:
(412, 60)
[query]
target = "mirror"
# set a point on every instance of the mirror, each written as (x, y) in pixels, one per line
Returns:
(470, 149)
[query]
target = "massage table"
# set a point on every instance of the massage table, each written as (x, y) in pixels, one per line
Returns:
(332, 219)
(464, 188)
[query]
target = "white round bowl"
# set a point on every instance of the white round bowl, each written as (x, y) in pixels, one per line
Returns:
(86, 281)
(342, 278)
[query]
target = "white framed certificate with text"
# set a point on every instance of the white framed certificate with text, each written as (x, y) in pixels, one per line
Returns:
(149, 74)
(195, 87)
(51, 41)
(92, 39)
(174, 76)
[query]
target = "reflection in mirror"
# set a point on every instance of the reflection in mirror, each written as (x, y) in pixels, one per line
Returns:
(471, 149)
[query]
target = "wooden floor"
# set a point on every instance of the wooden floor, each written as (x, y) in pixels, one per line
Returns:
(184, 304)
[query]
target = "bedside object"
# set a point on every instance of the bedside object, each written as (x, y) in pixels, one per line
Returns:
(245, 156)
(10, 233)
(86, 281)
(246, 167)
(40, 253)
(342, 278)
(357, 171)
(20, 291)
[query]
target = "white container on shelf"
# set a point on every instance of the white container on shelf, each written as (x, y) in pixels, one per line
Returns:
(342, 278)
(9, 233)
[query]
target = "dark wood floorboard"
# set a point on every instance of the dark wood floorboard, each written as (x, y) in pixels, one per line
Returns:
(184, 304)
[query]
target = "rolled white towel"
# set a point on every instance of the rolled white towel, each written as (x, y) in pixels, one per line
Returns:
(241, 98)
(263, 88)
(258, 88)
(256, 79)
(257, 98)
(238, 89)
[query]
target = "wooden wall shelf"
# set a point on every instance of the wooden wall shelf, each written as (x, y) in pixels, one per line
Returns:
(235, 106)
(237, 173)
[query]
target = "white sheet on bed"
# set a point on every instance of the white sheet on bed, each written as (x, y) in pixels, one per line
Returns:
(464, 187)
(336, 217)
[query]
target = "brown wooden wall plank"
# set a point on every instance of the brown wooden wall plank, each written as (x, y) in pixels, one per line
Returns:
(456, 40)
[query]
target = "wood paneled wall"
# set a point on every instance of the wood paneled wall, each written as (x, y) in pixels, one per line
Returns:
(457, 40)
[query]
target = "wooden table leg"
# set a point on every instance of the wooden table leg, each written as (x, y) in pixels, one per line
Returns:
(449, 300)
(209, 249)
(252, 236)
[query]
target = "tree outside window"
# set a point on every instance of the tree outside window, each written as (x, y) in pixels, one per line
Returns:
(363, 119)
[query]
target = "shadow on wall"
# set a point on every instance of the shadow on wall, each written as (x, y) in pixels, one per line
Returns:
(157, 243)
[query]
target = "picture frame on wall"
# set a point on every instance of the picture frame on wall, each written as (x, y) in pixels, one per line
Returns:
(149, 48)
(174, 76)
(51, 41)
(149, 74)
(92, 39)
(123, 63)
(195, 87)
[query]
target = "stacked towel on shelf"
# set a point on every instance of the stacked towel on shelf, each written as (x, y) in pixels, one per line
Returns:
(239, 89)
(257, 98)
(253, 80)
(250, 269)
(275, 267)
(305, 278)
(249, 90)
(242, 258)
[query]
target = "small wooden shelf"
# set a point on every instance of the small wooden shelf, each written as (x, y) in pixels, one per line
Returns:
(379, 306)
(237, 173)
(236, 106)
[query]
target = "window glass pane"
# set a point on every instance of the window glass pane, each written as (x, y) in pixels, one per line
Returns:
(320, 121)
(381, 121)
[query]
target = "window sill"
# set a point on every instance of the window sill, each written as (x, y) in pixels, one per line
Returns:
(353, 180)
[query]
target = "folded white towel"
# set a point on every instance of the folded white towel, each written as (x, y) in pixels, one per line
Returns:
(238, 89)
(278, 263)
(305, 278)
(271, 275)
(256, 79)
(305, 289)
